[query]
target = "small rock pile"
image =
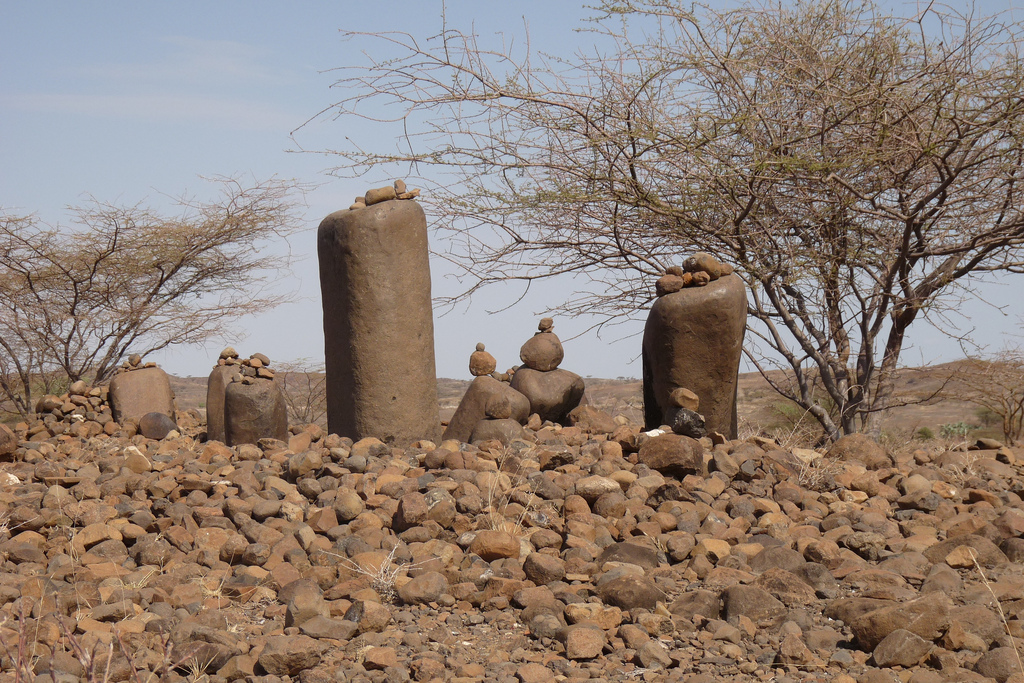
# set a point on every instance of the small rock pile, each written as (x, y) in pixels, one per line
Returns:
(82, 411)
(383, 194)
(696, 271)
(576, 553)
(553, 392)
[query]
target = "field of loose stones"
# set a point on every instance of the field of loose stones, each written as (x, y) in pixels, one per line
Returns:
(594, 551)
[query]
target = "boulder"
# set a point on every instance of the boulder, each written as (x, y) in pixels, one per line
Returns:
(553, 394)
(694, 339)
(254, 411)
(473, 407)
(378, 323)
(672, 454)
(860, 448)
(156, 425)
(135, 393)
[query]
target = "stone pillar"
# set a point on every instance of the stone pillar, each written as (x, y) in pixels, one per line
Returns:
(378, 323)
(134, 393)
(693, 340)
(254, 409)
(216, 385)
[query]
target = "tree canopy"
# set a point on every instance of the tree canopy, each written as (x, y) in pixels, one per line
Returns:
(860, 170)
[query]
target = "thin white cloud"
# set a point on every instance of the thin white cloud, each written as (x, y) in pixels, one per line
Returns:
(161, 107)
(191, 61)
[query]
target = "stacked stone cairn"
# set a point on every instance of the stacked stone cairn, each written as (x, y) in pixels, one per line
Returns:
(139, 400)
(254, 407)
(489, 399)
(692, 347)
(552, 391)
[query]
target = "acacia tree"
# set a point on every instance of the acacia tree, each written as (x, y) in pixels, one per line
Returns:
(75, 299)
(859, 170)
(995, 384)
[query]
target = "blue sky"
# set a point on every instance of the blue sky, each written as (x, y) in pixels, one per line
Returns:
(131, 101)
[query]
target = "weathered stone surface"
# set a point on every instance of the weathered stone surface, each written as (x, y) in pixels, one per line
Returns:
(673, 455)
(473, 407)
(901, 648)
(860, 448)
(694, 339)
(542, 352)
(504, 431)
(753, 603)
(494, 545)
(156, 425)
(135, 393)
(552, 395)
(378, 323)
(481, 363)
(8, 441)
(425, 588)
(629, 592)
(216, 385)
(927, 617)
(999, 663)
(289, 655)
(253, 412)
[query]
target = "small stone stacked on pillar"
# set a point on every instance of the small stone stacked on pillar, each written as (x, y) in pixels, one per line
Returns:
(254, 405)
(378, 319)
(552, 391)
(227, 367)
(693, 340)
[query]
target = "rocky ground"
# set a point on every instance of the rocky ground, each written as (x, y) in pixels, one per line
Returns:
(585, 552)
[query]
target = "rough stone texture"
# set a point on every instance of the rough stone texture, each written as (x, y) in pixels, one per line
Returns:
(216, 385)
(673, 454)
(473, 407)
(542, 352)
(135, 393)
(860, 448)
(927, 617)
(8, 441)
(552, 395)
(253, 412)
(694, 339)
(901, 648)
(156, 425)
(504, 431)
(378, 323)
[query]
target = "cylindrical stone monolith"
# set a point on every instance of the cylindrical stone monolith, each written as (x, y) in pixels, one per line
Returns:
(694, 339)
(218, 382)
(254, 411)
(378, 323)
(135, 393)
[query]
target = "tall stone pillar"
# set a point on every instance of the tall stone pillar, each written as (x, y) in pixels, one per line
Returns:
(378, 323)
(693, 340)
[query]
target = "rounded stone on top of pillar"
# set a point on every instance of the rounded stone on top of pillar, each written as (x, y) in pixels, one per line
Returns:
(693, 339)
(378, 322)
(481, 363)
(543, 351)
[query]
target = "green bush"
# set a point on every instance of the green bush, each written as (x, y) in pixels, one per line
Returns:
(955, 430)
(925, 434)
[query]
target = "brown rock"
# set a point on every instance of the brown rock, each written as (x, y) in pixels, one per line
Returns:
(629, 592)
(694, 339)
(473, 407)
(425, 588)
(667, 284)
(901, 648)
(999, 663)
(928, 617)
(674, 455)
(481, 363)
(860, 448)
(987, 552)
(253, 412)
(543, 569)
(592, 420)
(493, 545)
(289, 655)
(753, 603)
(378, 195)
(156, 426)
(504, 431)
(583, 642)
(133, 394)
(553, 394)
(8, 442)
(380, 658)
(378, 323)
